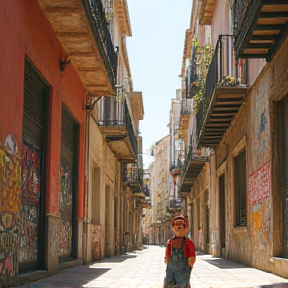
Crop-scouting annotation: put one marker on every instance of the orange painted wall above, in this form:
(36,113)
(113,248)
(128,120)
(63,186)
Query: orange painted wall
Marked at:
(24,30)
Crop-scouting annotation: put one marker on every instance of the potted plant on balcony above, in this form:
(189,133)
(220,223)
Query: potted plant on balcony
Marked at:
(228,81)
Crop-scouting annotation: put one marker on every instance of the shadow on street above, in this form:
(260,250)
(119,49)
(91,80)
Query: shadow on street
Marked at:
(224,264)
(91,271)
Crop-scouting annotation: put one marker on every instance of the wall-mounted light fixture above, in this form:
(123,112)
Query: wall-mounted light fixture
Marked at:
(64,63)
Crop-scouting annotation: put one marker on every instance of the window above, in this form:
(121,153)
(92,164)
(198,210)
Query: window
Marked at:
(240,189)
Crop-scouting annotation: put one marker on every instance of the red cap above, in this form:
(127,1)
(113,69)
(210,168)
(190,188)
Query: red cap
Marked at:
(179,217)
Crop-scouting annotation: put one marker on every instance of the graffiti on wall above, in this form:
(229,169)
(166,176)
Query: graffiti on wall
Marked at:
(10,191)
(65,237)
(259,184)
(260,124)
(65,202)
(258,194)
(29,203)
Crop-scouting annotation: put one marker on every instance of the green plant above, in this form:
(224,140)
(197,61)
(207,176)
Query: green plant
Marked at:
(197,99)
(201,61)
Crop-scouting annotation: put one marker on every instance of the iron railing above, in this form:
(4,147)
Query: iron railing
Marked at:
(130,129)
(176,165)
(146,190)
(133,175)
(243,16)
(186,106)
(118,117)
(176,203)
(193,154)
(192,77)
(96,17)
(197,155)
(224,71)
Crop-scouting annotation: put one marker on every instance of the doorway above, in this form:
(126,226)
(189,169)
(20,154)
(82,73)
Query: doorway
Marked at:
(68,187)
(32,219)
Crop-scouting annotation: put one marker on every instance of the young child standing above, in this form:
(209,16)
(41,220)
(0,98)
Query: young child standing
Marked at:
(179,255)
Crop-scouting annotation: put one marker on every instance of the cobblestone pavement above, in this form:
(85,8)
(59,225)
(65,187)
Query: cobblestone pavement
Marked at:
(146,269)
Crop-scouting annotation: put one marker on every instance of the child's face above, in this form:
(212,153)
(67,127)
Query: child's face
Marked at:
(180,228)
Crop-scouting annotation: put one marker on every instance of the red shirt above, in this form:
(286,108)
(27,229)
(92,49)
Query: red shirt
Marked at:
(189,249)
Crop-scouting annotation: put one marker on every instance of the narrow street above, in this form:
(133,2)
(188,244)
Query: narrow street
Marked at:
(146,269)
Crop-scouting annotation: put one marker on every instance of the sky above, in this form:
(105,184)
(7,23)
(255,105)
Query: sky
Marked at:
(155,53)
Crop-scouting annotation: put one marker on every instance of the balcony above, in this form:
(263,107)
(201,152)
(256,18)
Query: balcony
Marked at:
(261,28)
(146,183)
(133,178)
(82,29)
(175,168)
(115,124)
(226,89)
(175,204)
(194,163)
(144,203)
(186,110)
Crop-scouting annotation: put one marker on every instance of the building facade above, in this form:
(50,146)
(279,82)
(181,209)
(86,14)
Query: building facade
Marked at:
(159,171)
(237,79)
(68,125)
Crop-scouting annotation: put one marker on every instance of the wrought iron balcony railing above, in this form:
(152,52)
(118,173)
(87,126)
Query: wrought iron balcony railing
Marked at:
(186,106)
(225,72)
(191,75)
(193,154)
(133,177)
(194,162)
(144,203)
(115,114)
(146,190)
(240,8)
(176,165)
(146,183)
(260,27)
(96,16)
(175,204)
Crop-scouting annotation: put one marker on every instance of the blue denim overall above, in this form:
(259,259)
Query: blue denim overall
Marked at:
(177,271)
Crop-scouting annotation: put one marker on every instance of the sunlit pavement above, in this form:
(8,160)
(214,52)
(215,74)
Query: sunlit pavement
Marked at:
(146,269)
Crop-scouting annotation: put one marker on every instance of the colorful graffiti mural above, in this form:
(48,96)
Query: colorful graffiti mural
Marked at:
(30,203)
(10,191)
(258,194)
(259,184)
(65,224)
